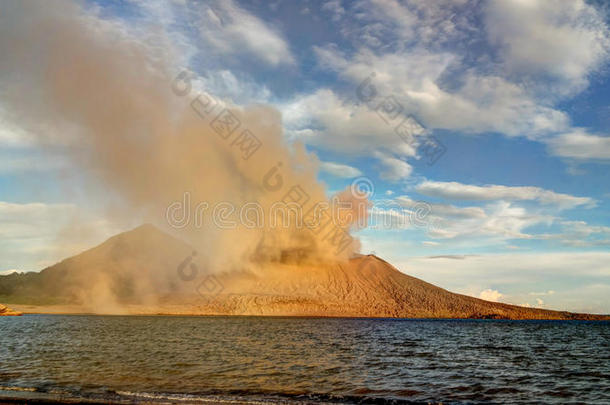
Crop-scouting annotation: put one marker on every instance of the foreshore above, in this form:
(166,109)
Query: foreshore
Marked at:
(179,310)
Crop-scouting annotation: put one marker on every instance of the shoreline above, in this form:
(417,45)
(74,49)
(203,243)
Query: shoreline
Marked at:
(33,396)
(56,399)
(77,310)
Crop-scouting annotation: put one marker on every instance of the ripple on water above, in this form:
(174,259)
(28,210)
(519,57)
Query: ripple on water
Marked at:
(206,359)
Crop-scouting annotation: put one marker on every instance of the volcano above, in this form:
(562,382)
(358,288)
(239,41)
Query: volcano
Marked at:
(147,271)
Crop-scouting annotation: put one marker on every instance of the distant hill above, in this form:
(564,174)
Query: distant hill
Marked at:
(127,267)
(136,272)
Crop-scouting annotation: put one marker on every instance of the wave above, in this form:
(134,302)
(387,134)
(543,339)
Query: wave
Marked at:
(21,389)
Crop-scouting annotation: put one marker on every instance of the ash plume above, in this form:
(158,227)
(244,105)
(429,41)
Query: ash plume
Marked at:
(108,97)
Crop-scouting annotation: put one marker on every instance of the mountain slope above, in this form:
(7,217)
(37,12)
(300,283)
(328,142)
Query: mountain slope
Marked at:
(127,267)
(137,272)
(366,286)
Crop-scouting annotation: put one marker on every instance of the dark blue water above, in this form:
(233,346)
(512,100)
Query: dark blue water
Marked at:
(239,359)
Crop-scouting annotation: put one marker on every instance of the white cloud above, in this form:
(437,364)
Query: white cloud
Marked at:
(13,136)
(500,221)
(491,295)
(31,220)
(496,221)
(578,279)
(433,23)
(467,192)
(493,223)
(324,120)
(580,234)
(335,8)
(340,170)
(421,54)
(477,103)
(579,144)
(394,169)
(564,39)
(446,210)
(549,292)
(502,214)
(240,90)
(29,162)
(232,30)
(37,234)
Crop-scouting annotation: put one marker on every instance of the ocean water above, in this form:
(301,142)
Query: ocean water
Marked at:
(260,360)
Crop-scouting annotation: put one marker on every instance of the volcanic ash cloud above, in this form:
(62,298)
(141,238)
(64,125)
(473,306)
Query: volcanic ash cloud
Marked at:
(110,100)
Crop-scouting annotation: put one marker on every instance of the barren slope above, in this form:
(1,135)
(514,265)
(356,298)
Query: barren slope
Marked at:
(366,286)
(136,272)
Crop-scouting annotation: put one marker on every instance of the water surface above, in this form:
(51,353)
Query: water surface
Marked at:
(258,359)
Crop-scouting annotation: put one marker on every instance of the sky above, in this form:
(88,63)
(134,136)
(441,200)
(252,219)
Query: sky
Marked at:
(504,193)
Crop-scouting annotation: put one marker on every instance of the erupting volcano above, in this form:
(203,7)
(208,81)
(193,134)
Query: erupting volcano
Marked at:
(146,271)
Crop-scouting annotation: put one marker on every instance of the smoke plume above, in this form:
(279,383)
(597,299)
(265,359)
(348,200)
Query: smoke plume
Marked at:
(138,128)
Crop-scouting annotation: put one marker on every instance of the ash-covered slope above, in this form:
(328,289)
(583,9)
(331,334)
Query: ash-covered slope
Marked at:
(133,266)
(136,272)
(366,286)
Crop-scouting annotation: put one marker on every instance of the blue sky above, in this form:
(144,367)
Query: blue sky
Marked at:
(516,91)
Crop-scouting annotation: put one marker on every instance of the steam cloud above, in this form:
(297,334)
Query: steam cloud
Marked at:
(73,78)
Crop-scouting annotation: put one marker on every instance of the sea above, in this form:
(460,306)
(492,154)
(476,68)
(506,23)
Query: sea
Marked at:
(262,360)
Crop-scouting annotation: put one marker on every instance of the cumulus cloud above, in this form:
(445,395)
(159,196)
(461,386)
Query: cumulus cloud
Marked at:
(11,136)
(340,170)
(335,8)
(30,161)
(529,55)
(468,192)
(501,216)
(492,223)
(549,292)
(325,120)
(566,40)
(491,295)
(431,23)
(231,30)
(514,274)
(35,235)
(393,169)
(579,144)
(478,102)
(580,234)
